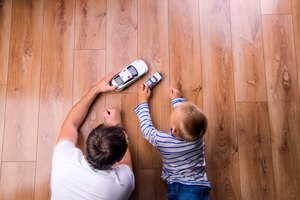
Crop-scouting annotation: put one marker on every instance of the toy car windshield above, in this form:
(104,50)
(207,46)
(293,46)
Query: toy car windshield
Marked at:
(119,80)
(132,70)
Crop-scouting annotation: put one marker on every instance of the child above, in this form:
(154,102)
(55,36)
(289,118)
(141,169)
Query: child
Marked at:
(182,149)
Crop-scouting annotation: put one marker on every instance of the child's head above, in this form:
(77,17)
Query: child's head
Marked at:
(105,146)
(188,122)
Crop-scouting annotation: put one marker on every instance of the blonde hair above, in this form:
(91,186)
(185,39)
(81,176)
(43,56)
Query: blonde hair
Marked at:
(190,122)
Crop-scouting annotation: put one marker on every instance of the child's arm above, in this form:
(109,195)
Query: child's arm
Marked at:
(148,130)
(176,97)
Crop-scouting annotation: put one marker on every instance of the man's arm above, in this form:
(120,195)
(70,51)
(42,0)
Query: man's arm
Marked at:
(112,117)
(76,116)
(126,160)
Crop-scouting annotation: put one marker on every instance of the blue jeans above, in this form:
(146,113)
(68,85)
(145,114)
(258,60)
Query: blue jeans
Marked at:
(178,191)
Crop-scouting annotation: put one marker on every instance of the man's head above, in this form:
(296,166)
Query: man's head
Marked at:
(105,146)
(188,122)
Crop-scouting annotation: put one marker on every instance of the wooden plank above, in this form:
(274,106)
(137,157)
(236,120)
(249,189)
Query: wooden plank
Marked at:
(153,188)
(255,152)
(121,40)
(275,6)
(153,48)
(126,103)
(20,134)
(249,73)
(17,180)
(2,113)
(56,85)
(184,45)
(89,68)
(283,102)
(90,24)
(5,24)
(218,101)
(296,24)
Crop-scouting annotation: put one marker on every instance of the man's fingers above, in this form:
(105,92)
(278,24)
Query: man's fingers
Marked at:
(113,87)
(111,74)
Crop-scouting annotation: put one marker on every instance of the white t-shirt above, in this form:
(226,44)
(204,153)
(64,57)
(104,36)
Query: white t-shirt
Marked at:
(73,178)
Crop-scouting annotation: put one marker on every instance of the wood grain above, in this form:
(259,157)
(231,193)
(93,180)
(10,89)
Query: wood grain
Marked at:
(255,152)
(158,192)
(296,24)
(275,6)
(56,85)
(218,101)
(89,68)
(17,180)
(20,134)
(283,102)
(184,45)
(2,113)
(90,24)
(5,24)
(247,48)
(239,60)
(121,38)
(153,46)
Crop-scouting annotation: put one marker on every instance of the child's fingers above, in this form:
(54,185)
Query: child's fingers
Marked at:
(142,87)
(148,89)
(171,91)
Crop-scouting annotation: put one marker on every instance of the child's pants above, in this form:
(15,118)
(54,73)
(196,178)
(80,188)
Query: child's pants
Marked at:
(178,191)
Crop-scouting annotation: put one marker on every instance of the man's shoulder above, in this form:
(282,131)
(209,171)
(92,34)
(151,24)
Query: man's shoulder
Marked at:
(66,150)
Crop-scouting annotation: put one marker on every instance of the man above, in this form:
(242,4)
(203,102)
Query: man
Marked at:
(106,170)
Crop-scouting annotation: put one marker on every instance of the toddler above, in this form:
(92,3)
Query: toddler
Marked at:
(182,149)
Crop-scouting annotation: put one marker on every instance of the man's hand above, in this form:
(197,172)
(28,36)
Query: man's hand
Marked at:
(112,117)
(174,93)
(103,84)
(144,93)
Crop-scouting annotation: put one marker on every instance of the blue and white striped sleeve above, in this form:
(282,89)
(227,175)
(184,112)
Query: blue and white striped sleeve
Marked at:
(148,130)
(177,101)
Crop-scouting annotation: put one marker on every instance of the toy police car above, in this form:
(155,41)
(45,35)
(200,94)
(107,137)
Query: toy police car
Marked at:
(129,74)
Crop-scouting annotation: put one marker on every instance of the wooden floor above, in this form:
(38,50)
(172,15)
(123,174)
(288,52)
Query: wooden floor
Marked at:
(238,60)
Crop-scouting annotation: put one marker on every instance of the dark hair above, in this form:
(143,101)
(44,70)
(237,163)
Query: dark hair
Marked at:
(191,123)
(105,146)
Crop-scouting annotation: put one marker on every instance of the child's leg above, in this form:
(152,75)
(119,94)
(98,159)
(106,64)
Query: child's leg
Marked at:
(178,191)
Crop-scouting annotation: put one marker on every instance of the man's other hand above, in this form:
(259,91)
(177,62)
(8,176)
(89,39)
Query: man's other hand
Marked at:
(112,117)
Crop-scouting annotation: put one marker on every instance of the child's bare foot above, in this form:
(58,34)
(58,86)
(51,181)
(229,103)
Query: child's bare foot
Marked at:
(174,93)
(112,117)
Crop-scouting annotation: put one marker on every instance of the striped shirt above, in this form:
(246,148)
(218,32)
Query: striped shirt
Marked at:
(183,162)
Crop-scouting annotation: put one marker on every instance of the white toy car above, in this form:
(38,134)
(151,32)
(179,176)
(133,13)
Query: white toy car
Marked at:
(129,74)
(153,80)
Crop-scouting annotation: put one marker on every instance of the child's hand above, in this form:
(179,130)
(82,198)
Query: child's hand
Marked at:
(174,93)
(144,93)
